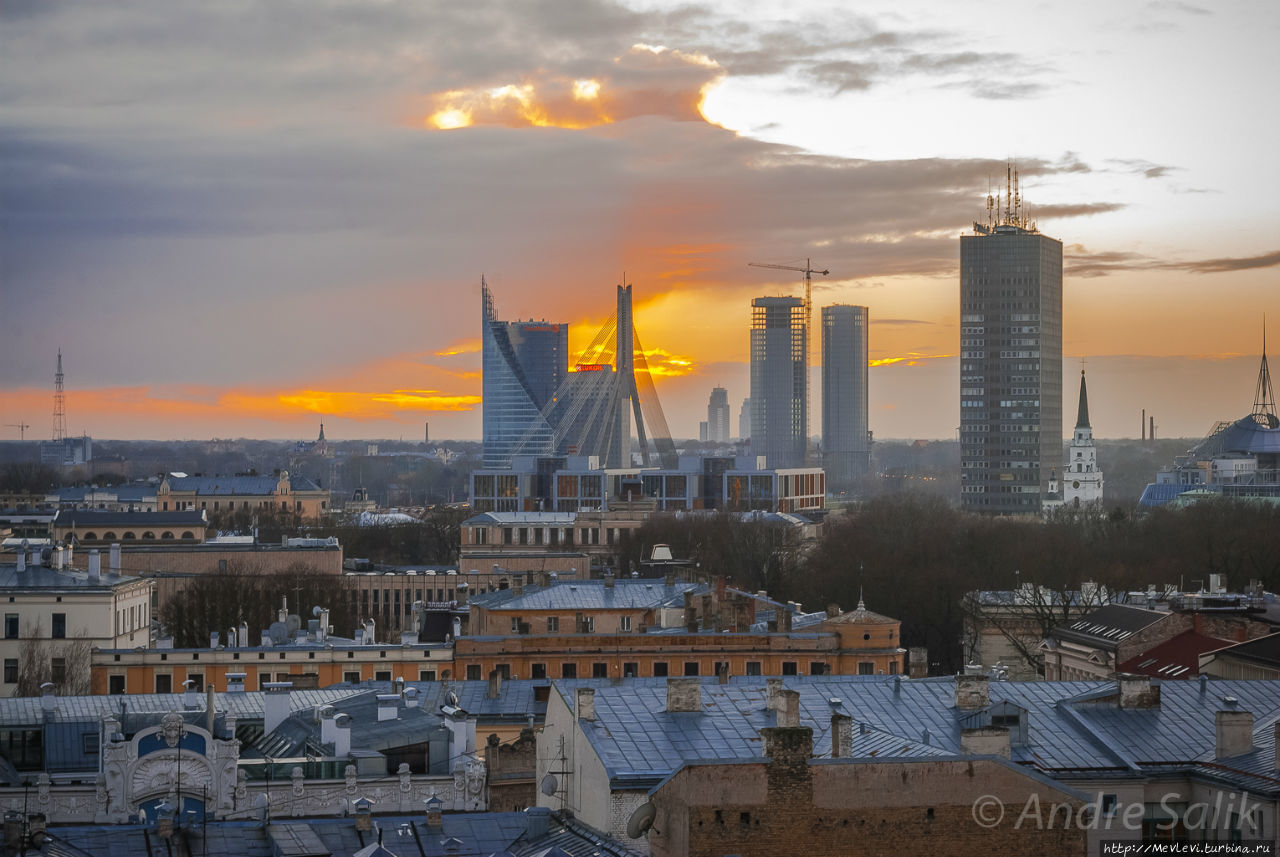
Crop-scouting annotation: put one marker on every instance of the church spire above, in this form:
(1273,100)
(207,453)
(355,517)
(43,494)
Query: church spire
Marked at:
(1264,398)
(1082,418)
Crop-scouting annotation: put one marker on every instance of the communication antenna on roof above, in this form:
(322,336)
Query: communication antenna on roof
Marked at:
(1264,397)
(59,404)
(991,204)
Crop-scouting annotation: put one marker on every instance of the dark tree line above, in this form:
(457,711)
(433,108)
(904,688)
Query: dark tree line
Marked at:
(219,601)
(914,557)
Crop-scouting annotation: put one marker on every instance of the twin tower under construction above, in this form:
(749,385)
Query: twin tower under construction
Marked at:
(536,404)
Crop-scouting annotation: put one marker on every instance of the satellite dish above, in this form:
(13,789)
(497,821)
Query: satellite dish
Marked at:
(278,633)
(292,624)
(550,785)
(641,820)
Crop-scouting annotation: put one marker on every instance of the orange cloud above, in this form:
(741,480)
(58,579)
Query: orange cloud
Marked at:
(645,81)
(465,346)
(909,360)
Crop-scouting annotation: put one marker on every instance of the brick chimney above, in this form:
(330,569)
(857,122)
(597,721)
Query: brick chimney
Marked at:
(585,703)
(435,814)
(841,736)
(1137,691)
(972,692)
(788,744)
(684,694)
(1234,732)
(772,690)
(495,684)
(364,814)
(985,741)
(789,708)
(918,662)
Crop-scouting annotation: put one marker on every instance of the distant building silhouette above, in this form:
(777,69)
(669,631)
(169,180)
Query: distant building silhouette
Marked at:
(718,416)
(1010,361)
(744,420)
(845,448)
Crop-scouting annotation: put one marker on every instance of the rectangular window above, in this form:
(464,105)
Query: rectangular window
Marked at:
(115,685)
(588,624)
(197,681)
(164,684)
(788,667)
(59,626)
(89,743)
(599,670)
(817,668)
(59,671)
(659,669)
(624,623)
(568,671)
(753,668)
(11,626)
(515,624)
(351,677)
(10,670)
(553,624)
(382,675)
(426,675)
(537,670)
(690,667)
(866,668)
(630,670)
(473,672)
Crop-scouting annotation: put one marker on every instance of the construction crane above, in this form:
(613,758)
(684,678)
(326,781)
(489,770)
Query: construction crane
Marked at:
(21,427)
(808,270)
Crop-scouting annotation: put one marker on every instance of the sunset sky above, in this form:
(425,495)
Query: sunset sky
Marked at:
(245,218)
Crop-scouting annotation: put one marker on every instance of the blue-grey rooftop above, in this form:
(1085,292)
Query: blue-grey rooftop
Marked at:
(1073,728)
(639,594)
(39,577)
(108,518)
(233,485)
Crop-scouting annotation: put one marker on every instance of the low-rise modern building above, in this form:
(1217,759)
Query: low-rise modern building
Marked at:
(103,527)
(579,483)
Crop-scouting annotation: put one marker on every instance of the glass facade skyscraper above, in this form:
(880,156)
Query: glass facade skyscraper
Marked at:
(1010,366)
(718,416)
(845,444)
(779,397)
(524,363)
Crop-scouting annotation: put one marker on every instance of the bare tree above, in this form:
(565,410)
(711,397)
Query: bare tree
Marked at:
(64,663)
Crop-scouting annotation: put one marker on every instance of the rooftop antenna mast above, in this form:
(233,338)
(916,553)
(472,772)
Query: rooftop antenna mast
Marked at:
(991,204)
(1264,397)
(59,404)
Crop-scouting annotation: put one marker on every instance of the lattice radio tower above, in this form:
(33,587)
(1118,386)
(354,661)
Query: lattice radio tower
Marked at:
(59,404)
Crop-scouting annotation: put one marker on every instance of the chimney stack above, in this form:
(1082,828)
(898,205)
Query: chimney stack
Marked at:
(328,729)
(275,704)
(585,703)
(972,692)
(190,698)
(114,559)
(772,691)
(364,814)
(95,566)
(22,556)
(388,706)
(341,735)
(841,736)
(537,822)
(788,745)
(722,673)
(608,580)
(985,741)
(789,709)
(462,595)
(410,697)
(684,694)
(1234,730)
(48,697)
(495,684)
(435,814)
(1137,691)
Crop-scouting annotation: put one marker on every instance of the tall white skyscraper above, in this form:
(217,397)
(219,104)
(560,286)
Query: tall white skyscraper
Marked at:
(718,416)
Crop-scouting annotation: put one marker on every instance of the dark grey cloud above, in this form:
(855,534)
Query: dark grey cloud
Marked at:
(1082,263)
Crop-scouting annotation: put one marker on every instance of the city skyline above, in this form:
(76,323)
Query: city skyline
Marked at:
(245,222)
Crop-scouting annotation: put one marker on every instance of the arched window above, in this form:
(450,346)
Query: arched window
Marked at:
(130,535)
(188,536)
(166,535)
(149,535)
(108,536)
(90,537)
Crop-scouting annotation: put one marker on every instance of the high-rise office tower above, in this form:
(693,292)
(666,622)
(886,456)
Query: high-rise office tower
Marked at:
(744,420)
(845,448)
(524,364)
(779,364)
(718,416)
(1010,360)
